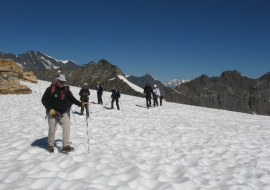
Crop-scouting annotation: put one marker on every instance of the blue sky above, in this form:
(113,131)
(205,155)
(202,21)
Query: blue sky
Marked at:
(167,39)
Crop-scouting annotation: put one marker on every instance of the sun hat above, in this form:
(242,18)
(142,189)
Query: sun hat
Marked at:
(61,78)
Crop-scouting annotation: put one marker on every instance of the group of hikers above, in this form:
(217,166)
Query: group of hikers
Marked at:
(153,93)
(58,99)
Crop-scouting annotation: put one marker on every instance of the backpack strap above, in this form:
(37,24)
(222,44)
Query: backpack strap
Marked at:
(66,89)
(62,93)
(53,88)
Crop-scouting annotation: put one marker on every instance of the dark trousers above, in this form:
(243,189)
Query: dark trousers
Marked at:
(161,98)
(99,96)
(155,100)
(87,111)
(116,100)
(148,101)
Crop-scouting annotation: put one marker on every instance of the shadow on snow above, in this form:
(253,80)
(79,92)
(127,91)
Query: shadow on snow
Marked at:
(43,143)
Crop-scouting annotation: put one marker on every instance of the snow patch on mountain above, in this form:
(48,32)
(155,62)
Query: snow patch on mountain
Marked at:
(135,87)
(177,82)
(64,62)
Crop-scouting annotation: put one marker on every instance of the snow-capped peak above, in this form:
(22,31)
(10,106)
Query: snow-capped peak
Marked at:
(175,82)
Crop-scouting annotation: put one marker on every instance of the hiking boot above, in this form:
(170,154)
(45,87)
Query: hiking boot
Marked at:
(67,148)
(50,149)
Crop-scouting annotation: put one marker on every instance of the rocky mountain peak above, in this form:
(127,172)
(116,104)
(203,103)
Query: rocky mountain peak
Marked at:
(39,60)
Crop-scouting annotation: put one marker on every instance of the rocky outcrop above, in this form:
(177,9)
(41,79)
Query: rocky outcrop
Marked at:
(29,77)
(9,67)
(12,86)
(10,73)
(231,91)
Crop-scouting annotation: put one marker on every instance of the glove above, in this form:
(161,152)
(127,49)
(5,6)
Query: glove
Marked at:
(52,112)
(85,104)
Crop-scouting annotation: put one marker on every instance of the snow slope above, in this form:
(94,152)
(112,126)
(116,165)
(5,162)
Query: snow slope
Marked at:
(170,147)
(133,86)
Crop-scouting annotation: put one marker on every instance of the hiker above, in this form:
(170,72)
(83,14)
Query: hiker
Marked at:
(162,93)
(84,93)
(54,100)
(156,94)
(147,92)
(99,88)
(115,95)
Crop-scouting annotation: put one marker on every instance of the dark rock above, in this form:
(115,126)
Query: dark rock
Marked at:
(141,81)
(231,91)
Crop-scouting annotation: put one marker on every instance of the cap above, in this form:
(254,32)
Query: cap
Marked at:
(155,85)
(61,78)
(85,84)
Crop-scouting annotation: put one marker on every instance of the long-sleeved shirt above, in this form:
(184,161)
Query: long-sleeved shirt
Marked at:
(156,92)
(148,91)
(58,100)
(84,98)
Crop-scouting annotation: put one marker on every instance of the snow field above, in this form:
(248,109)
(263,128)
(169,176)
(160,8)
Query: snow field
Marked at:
(170,147)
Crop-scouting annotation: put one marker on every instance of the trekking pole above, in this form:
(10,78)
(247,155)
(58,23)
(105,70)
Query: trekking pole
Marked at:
(87,128)
(73,115)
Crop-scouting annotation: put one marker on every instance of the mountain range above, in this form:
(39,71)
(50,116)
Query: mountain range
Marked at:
(231,91)
(38,60)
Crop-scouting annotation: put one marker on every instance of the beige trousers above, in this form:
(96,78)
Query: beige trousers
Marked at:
(64,122)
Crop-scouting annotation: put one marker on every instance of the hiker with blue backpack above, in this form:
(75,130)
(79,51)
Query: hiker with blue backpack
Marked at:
(115,96)
(55,100)
(162,93)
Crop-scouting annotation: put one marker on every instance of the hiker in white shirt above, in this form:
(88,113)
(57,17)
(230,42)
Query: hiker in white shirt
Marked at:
(156,95)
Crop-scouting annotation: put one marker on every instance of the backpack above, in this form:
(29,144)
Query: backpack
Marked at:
(148,90)
(118,93)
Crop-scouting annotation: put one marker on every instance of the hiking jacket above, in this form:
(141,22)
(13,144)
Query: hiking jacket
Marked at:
(156,92)
(58,100)
(115,94)
(148,91)
(99,88)
(84,98)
